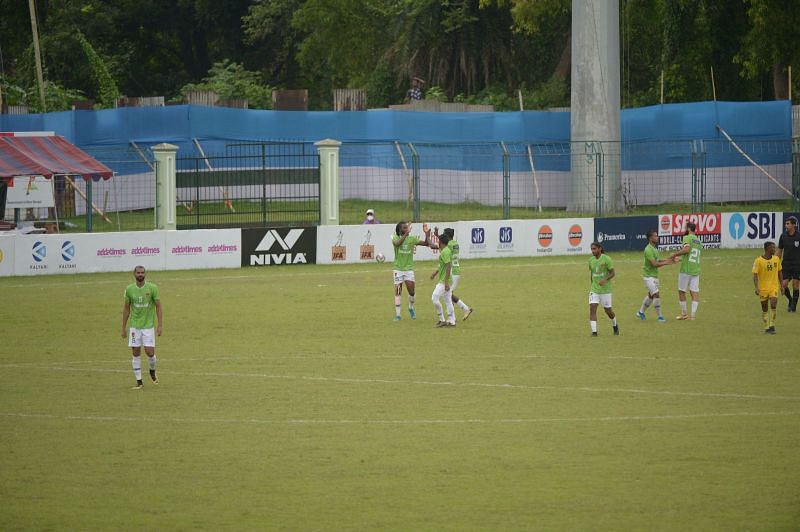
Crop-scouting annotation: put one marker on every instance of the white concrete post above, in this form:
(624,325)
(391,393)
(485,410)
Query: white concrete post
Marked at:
(166,194)
(595,104)
(328,181)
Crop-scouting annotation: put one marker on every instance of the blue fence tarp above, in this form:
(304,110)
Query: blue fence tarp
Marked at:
(655,137)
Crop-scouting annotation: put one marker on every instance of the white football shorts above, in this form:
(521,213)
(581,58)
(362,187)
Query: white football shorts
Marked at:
(142,337)
(454,282)
(439,292)
(652,284)
(688,282)
(600,299)
(400,277)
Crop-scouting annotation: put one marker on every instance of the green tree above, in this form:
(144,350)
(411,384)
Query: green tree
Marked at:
(771,44)
(232,81)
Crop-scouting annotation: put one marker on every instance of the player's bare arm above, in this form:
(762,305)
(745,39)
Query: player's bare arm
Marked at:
(159,316)
(611,273)
(755,283)
(126,312)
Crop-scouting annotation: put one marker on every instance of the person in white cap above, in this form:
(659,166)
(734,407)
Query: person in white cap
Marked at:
(370,217)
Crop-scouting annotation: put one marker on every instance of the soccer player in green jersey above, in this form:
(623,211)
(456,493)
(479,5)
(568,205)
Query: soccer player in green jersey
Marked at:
(142,305)
(689,276)
(404,243)
(456,270)
(650,275)
(443,287)
(602,271)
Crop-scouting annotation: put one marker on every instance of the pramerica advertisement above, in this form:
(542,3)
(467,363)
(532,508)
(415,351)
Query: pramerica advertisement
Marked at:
(672,228)
(624,233)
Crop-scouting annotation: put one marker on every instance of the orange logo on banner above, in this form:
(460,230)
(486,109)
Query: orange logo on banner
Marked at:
(575,235)
(338,253)
(666,223)
(545,236)
(367,251)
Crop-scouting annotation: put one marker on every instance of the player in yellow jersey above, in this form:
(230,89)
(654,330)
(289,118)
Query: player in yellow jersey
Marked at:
(767,278)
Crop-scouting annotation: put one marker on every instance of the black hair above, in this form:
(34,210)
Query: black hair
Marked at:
(449,231)
(768,244)
(651,232)
(598,245)
(691,226)
(444,238)
(792,219)
(397,228)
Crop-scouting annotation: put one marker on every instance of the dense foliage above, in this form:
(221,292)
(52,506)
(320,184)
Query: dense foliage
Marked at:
(478,51)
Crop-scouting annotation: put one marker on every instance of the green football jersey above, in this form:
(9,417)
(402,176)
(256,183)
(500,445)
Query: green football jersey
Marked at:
(143,305)
(445,258)
(650,253)
(454,249)
(690,264)
(404,253)
(600,268)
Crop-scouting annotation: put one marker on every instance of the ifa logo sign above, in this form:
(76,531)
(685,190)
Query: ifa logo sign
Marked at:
(272,247)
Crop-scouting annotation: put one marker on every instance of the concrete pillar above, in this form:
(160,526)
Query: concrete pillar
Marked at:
(595,105)
(328,181)
(166,194)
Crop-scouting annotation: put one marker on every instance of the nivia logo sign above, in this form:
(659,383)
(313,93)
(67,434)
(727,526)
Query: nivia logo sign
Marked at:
(282,245)
(268,247)
(285,243)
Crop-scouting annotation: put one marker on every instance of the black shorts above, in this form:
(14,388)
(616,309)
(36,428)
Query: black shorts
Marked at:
(791,271)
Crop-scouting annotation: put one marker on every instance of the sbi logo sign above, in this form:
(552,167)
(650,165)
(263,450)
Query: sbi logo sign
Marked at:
(755,226)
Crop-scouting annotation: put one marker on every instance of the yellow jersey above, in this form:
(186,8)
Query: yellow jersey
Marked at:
(767,272)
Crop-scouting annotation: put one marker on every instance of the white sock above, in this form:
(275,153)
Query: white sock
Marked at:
(152,361)
(137,367)
(683,307)
(645,304)
(694,307)
(657,305)
(462,305)
(614,321)
(411,301)
(398,301)
(594,325)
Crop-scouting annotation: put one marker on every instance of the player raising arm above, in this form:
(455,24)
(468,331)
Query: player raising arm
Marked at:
(404,243)
(767,277)
(442,288)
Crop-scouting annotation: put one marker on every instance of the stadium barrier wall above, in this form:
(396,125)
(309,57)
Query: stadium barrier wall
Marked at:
(24,255)
(116,252)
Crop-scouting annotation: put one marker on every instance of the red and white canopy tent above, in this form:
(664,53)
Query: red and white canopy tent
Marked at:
(47,154)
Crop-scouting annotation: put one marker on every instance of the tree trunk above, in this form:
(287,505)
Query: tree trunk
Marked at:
(780,81)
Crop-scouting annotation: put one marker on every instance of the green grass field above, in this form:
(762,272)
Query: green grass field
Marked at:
(290,400)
